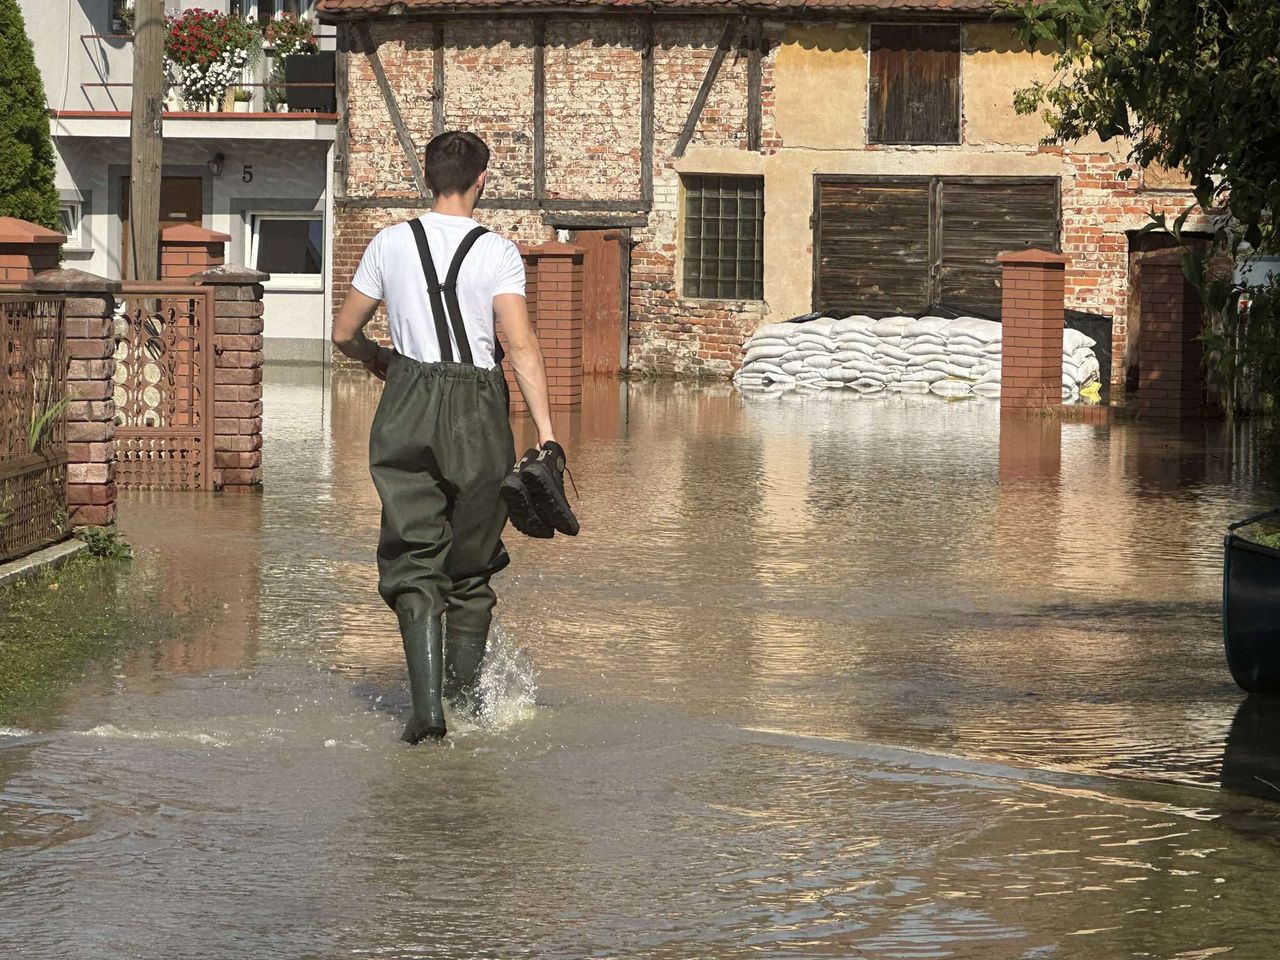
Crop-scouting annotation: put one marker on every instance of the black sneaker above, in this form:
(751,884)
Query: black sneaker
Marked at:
(544,478)
(519,503)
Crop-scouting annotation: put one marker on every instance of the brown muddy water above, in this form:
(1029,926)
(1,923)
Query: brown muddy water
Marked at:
(821,678)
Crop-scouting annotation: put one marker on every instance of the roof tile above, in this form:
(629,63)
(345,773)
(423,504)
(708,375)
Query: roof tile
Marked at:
(347,9)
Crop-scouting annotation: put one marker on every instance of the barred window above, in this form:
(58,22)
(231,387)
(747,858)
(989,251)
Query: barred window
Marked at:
(724,237)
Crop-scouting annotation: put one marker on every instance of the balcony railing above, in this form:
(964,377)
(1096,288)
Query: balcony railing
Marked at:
(308,90)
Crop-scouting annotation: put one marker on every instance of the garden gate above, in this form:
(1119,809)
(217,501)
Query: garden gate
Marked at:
(164,387)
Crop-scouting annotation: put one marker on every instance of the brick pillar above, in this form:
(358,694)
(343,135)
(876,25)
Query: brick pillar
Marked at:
(27,249)
(91,455)
(1032,283)
(1170,380)
(237,383)
(186,249)
(557,282)
(553,290)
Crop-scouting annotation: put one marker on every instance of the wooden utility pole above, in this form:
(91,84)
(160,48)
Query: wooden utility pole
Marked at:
(145,139)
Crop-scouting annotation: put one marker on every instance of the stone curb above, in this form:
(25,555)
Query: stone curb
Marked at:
(25,567)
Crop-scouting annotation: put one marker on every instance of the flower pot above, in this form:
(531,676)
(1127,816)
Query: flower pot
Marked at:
(244,106)
(228,102)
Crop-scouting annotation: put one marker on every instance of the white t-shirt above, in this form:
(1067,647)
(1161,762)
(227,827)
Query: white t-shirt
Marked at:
(391,271)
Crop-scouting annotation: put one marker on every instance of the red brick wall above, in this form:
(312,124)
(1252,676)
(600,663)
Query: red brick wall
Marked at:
(1099,210)
(91,455)
(669,333)
(21,262)
(592,150)
(1031,355)
(1171,382)
(593,134)
(27,249)
(237,391)
(188,249)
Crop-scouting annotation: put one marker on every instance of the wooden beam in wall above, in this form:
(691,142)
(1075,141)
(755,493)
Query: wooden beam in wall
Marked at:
(342,149)
(539,109)
(393,108)
(437,79)
(603,219)
(755,76)
(501,203)
(646,116)
(700,101)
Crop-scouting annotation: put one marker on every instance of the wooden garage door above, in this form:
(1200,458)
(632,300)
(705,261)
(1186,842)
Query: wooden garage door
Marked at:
(871,245)
(905,245)
(982,219)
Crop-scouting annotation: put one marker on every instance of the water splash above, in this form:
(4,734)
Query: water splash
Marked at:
(14,732)
(508,685)
(110,731)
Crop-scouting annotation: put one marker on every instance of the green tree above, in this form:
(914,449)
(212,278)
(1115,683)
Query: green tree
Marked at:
(1190,84)
(26,151)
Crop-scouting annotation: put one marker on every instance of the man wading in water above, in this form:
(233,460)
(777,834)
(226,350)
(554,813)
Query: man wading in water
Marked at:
(441,443)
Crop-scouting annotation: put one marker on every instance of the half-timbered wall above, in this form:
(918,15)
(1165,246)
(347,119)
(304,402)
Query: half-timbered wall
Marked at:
(564,104)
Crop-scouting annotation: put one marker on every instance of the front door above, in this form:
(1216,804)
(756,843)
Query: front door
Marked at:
(604,255)
(181,201)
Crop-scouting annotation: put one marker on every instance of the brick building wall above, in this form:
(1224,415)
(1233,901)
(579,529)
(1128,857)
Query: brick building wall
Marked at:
(593,153)
(592,148)
(1099,210)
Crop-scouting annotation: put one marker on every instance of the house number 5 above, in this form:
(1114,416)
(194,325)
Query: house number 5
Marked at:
(247,176)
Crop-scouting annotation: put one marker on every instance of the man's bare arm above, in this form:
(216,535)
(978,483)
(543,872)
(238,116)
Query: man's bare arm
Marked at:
(512,312)
(349,336)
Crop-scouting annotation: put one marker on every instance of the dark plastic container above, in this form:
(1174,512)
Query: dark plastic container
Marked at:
(311,68)
(1251,609)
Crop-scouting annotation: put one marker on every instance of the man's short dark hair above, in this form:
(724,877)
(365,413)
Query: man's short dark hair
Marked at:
(454,161)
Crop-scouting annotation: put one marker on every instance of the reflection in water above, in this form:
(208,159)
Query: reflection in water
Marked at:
(819,678)
(1251,762)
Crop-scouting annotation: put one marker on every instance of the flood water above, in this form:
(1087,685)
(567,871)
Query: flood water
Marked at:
(821,677)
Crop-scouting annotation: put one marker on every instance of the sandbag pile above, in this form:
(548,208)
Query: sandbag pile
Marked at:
(930,355)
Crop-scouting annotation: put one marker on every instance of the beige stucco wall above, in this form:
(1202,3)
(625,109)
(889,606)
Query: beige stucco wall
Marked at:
(994,65)
(821,76)
(788,177)
(821,98)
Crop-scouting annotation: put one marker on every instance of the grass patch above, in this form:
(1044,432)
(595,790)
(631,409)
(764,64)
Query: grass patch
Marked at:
(1268,538)
(53,625)
(105,543)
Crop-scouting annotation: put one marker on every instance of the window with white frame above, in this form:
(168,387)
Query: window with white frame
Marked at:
(268,9)
(69,213)
(289,246)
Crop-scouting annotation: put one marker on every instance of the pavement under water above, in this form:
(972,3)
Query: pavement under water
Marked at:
(820,678)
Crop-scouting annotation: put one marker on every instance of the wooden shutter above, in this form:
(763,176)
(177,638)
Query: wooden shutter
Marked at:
(982,219)
(871,246)
(914,91)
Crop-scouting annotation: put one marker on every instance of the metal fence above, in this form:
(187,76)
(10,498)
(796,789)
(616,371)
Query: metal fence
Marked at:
(33,409)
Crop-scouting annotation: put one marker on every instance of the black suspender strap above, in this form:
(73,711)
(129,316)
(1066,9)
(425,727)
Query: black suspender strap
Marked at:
(451,293)
(433,288)
(446,294)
